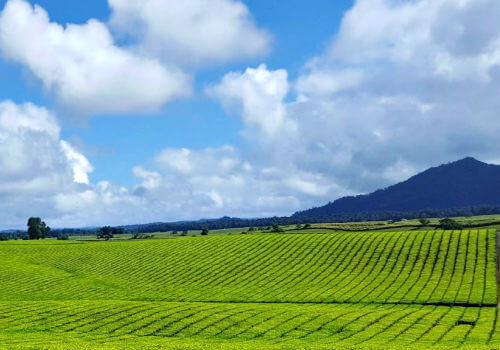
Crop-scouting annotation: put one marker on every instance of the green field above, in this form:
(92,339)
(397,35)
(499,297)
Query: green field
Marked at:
(491,222)
(333,290)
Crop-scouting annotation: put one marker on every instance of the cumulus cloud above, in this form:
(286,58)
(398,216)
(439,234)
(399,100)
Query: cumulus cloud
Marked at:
(190,32)
(447,39)
(257,95)
(326,81)
(31,150)
(404,85)
(34,161)
(216,181)
(209,161)
(88,73)
(44,175)
(80,164)
(80,64)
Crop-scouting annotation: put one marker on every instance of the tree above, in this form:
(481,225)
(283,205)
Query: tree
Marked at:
(204,231)
(424,221)
(277,228)
(62,237)
(184,233)
(37,228)
(307,226)
(117,231)
(108,232)
(298,227)
(138,235)
(45,230)
(105,232)
(449,224)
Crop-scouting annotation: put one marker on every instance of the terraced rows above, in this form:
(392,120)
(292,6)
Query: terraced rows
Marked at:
(435,267)
(341,324)
(343,290)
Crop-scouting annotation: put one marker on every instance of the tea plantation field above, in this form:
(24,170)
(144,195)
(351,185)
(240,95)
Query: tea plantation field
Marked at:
(253,291)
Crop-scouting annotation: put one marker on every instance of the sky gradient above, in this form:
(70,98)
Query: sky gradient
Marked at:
(120,112)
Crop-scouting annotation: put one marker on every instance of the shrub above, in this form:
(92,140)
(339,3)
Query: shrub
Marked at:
(449,224)
(137,235)
(105,232)
(424,221)
(277,228)
(37,228)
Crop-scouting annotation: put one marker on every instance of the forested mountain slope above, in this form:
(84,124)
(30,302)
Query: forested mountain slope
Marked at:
(464,183)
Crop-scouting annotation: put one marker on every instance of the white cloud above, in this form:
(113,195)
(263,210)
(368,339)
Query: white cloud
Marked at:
(34,162)
(448,39)
(30,149)
(404,85)
(43,175)
(324,82)
(150,179)
(190,31)
(81,166)
(176,159)
(302,185)
(80,64)
(257,94)
(396,91)
(209,161)
(213,182)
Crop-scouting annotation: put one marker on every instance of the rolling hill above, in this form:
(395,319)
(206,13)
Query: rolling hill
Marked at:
(465,187)
(365,290)
(463,183)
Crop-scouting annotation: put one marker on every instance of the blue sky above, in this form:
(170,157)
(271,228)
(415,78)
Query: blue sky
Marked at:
(114,144)
(134,111)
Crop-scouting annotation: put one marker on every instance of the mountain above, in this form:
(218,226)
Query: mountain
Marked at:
(464,183)
(462,188)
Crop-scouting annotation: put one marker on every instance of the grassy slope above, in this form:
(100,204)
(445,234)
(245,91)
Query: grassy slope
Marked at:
(247,324)
(473,222)
(395,267)
(229,291)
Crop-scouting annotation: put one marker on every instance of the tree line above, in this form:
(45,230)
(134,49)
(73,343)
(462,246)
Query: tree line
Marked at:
(40,230)
(228,222)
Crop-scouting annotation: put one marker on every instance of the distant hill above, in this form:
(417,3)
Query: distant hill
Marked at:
(463,188)
(464,183)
